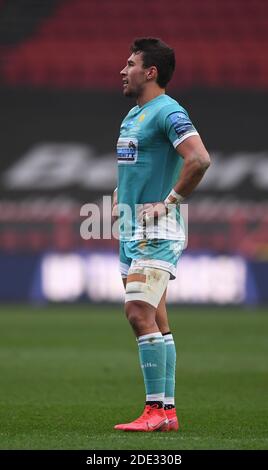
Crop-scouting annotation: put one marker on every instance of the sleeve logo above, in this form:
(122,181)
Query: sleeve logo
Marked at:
(181,124)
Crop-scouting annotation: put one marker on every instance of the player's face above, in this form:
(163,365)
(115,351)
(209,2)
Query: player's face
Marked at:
(134,76)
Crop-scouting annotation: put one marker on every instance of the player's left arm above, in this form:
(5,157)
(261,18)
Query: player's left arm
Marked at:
(196,163)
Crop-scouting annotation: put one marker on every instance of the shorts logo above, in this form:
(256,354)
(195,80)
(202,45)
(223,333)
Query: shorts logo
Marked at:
(176,247)
(127,150)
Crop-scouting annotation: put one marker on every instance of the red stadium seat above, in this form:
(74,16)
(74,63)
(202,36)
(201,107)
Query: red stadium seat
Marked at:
(84,44)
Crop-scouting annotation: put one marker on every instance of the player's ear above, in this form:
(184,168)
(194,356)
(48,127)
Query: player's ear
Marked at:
(152,73)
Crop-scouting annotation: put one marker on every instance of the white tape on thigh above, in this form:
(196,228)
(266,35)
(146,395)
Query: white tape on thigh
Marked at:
(146,284)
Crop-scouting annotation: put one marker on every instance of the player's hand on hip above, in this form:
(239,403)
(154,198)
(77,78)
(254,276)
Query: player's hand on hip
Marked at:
(151,211)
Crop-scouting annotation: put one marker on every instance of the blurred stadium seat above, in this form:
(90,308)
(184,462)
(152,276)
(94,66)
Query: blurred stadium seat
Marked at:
(82,43)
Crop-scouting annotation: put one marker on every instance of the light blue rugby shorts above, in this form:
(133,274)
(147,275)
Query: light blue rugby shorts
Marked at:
(150,253)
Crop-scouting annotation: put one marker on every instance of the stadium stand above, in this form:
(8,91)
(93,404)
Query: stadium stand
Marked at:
(20,18)
(82,43)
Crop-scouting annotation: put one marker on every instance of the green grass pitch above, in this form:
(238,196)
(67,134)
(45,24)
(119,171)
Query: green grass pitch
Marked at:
(69,373)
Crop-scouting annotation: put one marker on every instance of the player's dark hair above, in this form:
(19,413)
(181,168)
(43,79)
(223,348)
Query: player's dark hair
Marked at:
(156,52)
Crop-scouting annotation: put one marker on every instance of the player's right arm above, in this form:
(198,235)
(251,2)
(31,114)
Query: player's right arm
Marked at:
(114,204)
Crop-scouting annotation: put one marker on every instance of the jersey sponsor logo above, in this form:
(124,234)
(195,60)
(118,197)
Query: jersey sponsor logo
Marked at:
(181,124)
(127,150)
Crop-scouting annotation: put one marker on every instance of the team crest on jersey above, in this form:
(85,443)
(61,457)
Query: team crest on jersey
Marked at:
(127,150)
(142,117)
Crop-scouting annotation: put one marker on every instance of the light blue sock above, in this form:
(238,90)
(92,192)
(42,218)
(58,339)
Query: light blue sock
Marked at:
(170,369)
(152,353)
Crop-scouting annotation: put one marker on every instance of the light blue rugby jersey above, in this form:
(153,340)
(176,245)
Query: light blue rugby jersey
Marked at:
(148,163)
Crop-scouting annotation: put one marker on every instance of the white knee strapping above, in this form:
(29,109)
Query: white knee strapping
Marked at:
(146,284)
